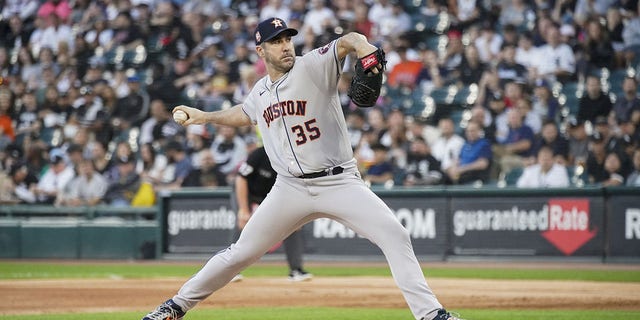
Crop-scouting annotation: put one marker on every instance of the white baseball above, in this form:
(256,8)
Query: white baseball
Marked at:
(180,116)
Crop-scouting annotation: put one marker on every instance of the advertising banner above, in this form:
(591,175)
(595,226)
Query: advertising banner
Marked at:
(203,225)
(529,226)
(424,218)
(198,225)
(624,226)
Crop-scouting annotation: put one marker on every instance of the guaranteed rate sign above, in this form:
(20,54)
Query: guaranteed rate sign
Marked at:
(528,226)
(424,219)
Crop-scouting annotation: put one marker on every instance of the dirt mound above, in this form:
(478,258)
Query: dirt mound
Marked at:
(77,296)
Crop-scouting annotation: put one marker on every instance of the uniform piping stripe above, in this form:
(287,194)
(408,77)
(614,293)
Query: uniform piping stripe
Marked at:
(286,126)
(335,56)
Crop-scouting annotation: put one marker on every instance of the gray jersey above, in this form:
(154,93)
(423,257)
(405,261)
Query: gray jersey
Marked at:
(300,115)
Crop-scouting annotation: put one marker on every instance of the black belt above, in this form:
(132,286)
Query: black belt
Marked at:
(329,172)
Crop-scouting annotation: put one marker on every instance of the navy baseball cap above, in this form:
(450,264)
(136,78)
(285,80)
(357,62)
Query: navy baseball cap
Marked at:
(270,28)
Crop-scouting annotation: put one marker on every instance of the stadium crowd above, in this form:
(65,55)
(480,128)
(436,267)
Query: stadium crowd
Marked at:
(532,93)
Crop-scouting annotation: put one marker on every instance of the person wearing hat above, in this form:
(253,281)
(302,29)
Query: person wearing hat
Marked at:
(578,142)
(627,106)
(55,179)
(297,108)
(596,158)
(124,182)
(132,109)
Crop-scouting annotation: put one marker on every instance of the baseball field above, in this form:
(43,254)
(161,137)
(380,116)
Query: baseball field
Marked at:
(73,290)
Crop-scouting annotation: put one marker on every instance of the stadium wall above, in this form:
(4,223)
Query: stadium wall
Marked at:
(447,222)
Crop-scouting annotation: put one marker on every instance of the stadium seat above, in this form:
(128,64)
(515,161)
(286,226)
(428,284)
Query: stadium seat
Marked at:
(511,177)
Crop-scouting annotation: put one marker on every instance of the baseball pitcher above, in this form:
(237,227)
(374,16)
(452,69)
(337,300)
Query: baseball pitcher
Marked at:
(297,109)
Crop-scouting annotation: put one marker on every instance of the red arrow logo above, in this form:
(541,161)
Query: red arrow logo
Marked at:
(569,241)
(569,224)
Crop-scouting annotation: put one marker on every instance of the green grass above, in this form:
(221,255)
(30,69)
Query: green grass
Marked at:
(35,270)
(349,314)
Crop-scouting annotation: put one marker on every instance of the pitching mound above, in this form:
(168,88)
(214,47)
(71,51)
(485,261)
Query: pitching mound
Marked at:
(78,296)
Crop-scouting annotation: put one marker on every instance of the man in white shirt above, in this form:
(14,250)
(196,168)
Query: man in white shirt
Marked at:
(545,173)
(447,148)
(556,60)
(55,179)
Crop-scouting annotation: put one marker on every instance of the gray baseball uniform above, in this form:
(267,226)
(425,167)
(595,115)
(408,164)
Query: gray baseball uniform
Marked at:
(304,132)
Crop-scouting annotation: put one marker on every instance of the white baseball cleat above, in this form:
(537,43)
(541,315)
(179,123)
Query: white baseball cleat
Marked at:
(299,275)
(444,315)
(168,310)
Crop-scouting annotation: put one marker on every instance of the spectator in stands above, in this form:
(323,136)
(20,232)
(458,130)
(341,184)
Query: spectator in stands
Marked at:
(596,158)
(627,106)
(546,173)
(361,22)
(160,127)
(633,180)
(28,123)
(454,52)
(398,22)
(58,8)
(613,171)
(55,34)
(123,184)
(598,50)
(612,142)
(98,153)
(378,11)
(152,165)
(86,189)
(16,33)
(24,10)
(531,118)
(631,36)
(170,34)
(588,8)
(526,52)
(75,154)
(517,13)
(594,103)
(614,27)
(404,73)
(55,178)
(180,162)
(24,182)
(431,75)
(319,18)
(550,137)
(465,12)
(275,8)
(508,69)
(578,142)
(7,130)
(544,103)
(447,148)
(133,108)
(229,150)
(515,150)
(422,168)
(556,61)
(471,68)
(381,170)
(488,43)
(474,161)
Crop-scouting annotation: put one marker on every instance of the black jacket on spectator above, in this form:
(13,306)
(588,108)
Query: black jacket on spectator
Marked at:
(590,109)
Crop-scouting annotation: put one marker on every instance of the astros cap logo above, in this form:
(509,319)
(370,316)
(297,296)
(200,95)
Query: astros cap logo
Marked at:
(277,23)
